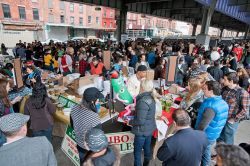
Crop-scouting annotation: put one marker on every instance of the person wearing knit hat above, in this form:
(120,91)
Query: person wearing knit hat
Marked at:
(21,150)
(134,82)
(96,140)
(101,154)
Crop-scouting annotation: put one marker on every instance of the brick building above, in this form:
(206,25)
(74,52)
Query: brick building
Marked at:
(19,20)
(30,20)
(108,21)
(140,25)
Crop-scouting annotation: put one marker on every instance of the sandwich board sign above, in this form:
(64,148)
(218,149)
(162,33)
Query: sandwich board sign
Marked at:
(122,140)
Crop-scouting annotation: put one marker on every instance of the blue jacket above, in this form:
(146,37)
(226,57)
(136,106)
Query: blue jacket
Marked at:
(220,107)
(151,58)
(133,61)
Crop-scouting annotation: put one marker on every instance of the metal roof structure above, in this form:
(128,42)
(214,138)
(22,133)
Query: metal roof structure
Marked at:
(228,14)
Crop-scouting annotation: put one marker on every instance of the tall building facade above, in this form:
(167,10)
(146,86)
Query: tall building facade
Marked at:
(30,20)
(20,20)
(140,25)
(108,22)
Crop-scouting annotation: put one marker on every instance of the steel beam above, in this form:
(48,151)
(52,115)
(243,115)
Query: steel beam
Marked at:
(238,3)
(143,1)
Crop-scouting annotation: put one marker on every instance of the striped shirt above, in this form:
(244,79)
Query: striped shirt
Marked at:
(83,120)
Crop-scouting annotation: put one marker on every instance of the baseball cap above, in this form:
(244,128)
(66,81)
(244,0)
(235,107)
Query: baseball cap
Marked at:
(96,140)
(92,94)
(13,122)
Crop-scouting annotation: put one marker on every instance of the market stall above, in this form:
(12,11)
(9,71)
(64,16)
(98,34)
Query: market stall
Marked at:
(63,93)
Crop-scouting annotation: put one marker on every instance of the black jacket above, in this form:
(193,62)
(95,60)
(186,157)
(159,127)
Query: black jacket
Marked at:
(243,82)
(185,148)
(233,64)
(144,120)
(215,72)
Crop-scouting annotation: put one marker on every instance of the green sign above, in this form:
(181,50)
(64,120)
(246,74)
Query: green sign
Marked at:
(66,102)
(69,146)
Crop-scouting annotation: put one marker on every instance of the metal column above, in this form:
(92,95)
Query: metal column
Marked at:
(203,38)
(121,23)
(221,32)
(194,29)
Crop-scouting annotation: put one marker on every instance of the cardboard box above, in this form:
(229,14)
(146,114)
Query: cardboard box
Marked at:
(18,79)
(63,81)
(82,81)
(150,75)
(45,75)
(106,59)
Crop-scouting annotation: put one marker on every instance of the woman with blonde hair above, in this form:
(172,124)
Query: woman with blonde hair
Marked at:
(144,123)
(193,98)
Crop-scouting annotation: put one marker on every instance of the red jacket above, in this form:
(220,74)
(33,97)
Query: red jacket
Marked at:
(96,70)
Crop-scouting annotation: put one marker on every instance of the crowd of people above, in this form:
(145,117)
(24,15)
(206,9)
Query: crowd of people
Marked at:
(215,102)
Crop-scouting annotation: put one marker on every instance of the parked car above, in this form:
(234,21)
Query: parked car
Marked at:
(95,38)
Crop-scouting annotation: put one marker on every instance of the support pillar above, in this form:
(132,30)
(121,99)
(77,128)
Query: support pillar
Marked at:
(203,38)
(246,32)
(121,23)
(237,34)
(194,29)
(221,32)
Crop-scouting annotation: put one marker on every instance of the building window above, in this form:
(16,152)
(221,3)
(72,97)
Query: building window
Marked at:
(72,20)
(35,14)
(97,20)
(111,14)
(80,8)
(62,5)
(50,4)
(110,25)
(104,14)
(89,19)
(6,11)
(71,7)
(104,24)
(22,14)
(51,18)
(62,19)
(80,21)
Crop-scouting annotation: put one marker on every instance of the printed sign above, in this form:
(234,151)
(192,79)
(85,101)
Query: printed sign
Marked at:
(69,146)
(123,141)
(66,102)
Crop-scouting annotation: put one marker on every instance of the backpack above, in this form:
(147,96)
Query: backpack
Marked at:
(239,100)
